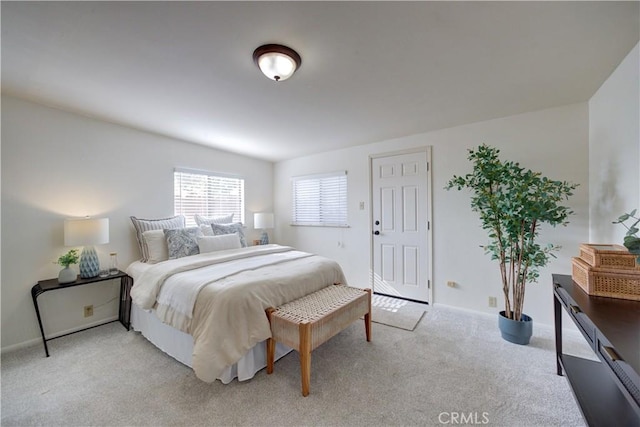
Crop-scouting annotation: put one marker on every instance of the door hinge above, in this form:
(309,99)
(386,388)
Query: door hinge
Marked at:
(427,166)
(428,225)
(428,284)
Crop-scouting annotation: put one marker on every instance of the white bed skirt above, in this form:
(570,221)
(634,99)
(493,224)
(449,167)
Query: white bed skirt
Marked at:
(179,345)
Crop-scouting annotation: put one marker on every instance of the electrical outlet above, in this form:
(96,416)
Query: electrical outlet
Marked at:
(451,284)
(361,206)
(88,310)
(493,302)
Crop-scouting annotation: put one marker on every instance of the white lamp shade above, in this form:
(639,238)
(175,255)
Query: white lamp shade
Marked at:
(86,231)
(263,220)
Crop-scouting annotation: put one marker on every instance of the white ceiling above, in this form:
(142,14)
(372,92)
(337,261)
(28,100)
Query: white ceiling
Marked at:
(370,70)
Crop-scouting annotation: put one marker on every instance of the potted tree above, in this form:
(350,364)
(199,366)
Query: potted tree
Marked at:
(513,203)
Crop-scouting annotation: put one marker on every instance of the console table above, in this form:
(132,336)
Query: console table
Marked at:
(607,391)
(124,308)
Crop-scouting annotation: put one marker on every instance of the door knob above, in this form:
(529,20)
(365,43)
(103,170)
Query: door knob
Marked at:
(376,232)
(377,222)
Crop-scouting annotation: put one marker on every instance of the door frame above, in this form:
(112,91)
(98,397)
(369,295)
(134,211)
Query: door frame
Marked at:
(428,207)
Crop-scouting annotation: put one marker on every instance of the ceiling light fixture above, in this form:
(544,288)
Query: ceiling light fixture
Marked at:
(277,62)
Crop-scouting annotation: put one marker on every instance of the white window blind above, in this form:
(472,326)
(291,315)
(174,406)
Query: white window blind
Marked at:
(320,200)
(207,194)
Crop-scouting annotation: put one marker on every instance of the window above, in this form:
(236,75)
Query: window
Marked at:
(208,194)
(320,200)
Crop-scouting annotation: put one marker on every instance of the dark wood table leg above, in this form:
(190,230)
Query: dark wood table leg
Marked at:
(124,311)
(557,315)
(35,291)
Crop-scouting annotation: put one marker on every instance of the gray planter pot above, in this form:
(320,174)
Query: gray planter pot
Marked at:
(517,332)
(67,275)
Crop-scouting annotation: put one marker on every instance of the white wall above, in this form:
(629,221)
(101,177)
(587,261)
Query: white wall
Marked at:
(614,147)
(553,141)
(57,165)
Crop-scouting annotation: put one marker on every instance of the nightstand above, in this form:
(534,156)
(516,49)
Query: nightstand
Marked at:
(124,310)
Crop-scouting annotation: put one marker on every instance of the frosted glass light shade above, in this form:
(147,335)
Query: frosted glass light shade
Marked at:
(276,66)
(263,220)
(277,62)
(86,231)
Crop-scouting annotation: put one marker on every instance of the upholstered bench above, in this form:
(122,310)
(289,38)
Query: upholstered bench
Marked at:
(307,322)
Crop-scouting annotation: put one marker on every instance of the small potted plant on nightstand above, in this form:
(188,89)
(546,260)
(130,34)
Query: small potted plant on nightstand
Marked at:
(67,274)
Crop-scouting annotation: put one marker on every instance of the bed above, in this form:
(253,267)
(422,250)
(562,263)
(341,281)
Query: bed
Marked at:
(207,310)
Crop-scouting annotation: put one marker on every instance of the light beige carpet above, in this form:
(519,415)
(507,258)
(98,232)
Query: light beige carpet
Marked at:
(396,312)
(455,363)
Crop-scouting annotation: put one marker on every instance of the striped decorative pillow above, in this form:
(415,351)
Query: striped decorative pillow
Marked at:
(142,225)
(203,220)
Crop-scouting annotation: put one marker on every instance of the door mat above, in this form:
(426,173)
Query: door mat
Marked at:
(396,312)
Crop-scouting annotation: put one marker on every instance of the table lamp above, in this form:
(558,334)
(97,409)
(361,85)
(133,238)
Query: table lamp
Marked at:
(263,221)
(87,232)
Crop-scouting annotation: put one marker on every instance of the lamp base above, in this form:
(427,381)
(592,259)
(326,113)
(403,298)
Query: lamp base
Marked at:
(264,238)
(89,262)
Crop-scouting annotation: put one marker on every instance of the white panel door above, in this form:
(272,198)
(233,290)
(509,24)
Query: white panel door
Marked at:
(399,213)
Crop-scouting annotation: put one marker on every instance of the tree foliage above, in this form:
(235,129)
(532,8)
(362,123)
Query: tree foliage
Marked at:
(512,203)
(631,239)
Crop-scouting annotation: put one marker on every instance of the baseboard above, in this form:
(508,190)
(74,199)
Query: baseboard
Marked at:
(38,340)
(467,310)
(567,327)
(402,298)
(24,344)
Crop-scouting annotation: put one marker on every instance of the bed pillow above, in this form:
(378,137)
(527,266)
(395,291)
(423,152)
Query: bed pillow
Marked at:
(206,229)
(203,220)
(142,225)
(156,246)
(236,227)
(218,243)
(182,242)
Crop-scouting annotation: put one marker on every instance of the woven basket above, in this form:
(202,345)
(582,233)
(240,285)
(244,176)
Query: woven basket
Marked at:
(606,282)
(608,256)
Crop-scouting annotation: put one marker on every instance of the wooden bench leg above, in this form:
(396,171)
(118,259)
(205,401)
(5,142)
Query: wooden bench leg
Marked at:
(271,345)
(305,357)
(367,317)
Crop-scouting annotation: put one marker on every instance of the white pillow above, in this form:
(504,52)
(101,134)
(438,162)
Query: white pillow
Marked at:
(203,220)
(206,230)
(218,243)
(156,246)
(234,228)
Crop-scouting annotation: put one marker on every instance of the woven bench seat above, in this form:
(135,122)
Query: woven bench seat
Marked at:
(307,322)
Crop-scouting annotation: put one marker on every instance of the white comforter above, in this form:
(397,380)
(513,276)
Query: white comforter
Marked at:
(220,298)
